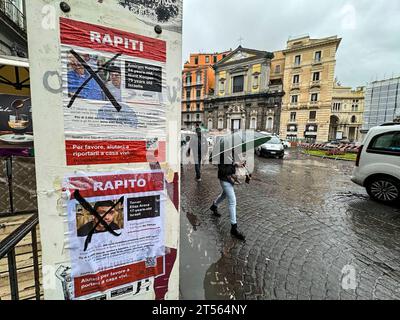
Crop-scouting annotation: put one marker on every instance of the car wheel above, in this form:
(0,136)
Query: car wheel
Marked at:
(281,157)
(258,152)
(384,189)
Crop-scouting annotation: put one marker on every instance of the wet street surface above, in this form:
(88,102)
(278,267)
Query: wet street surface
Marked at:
(311,234)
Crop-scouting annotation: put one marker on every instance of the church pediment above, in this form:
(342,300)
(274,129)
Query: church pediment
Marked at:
(240,55)
(244,54)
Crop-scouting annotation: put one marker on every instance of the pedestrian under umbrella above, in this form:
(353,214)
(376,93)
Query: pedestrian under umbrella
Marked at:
(227,153)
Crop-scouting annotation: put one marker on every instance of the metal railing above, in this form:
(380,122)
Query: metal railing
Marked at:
(13,13)
(8,248)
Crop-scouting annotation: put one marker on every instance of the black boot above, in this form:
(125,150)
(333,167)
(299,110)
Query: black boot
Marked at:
(214,209)
(236,233)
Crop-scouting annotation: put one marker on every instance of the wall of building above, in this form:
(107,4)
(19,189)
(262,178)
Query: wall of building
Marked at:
(306,48)
(193,105)
(13,39)
(382,102)
(348,108)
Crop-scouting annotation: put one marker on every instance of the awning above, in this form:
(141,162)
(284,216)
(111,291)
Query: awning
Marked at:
(14,61)
(14,75)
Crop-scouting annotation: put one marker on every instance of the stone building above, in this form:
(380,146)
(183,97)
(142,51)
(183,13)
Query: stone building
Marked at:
(309,73)
(244,97)
(13,39)
(198,78)
(347,114)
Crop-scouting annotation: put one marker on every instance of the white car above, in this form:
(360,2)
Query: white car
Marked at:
(378,164)
(286,144)
(273,148)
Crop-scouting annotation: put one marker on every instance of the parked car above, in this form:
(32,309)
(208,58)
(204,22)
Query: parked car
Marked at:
(332,144)
(378,164)
(286,144)
(273,148)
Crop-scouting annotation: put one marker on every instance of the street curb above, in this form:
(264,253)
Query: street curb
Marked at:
(325,157)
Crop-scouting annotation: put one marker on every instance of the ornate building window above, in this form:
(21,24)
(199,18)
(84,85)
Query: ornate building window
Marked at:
(270,124)
(278,69)
(222,86)
(353,119)
(313,116)
(318,56)
(253,123)
(354,106)
(314,97)
(336,107)
(238,84)
(316,76)
(220,123)
(256,79)
(210,124)
(293,117)
(297,60)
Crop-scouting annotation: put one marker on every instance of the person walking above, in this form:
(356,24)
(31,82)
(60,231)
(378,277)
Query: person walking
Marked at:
(228,179)
(199,148)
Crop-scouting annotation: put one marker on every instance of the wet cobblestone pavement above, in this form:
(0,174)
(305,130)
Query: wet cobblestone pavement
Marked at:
(311,234)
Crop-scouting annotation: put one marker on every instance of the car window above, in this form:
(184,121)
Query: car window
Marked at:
(386,143)
(274,141)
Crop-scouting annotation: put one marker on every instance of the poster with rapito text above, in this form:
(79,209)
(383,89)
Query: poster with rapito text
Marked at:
(116,230)
(114,88)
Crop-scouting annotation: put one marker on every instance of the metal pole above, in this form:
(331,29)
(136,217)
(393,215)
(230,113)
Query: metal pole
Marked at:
(12,268)
(9,178)
(35,263)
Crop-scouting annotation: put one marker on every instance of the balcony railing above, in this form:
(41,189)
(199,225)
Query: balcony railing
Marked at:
(315,83)
(13,13)
(295,85)
(314,104)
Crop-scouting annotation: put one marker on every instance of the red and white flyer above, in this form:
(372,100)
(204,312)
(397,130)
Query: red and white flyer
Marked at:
(116,232)
(114,85)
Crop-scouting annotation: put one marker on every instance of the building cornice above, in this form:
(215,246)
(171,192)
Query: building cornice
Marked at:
(245,97)
(238,63)
(313,45)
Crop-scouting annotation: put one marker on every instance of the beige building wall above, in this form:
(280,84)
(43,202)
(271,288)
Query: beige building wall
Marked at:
(347,113)
(304,125)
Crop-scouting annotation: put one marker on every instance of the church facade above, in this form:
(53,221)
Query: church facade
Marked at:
(245,96)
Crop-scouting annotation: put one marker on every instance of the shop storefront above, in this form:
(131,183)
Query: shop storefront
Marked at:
(311,133)
(17,174)
(292,132)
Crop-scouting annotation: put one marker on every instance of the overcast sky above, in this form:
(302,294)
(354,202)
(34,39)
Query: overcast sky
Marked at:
(370,29)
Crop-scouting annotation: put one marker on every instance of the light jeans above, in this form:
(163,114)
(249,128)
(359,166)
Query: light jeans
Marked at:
(228,192)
